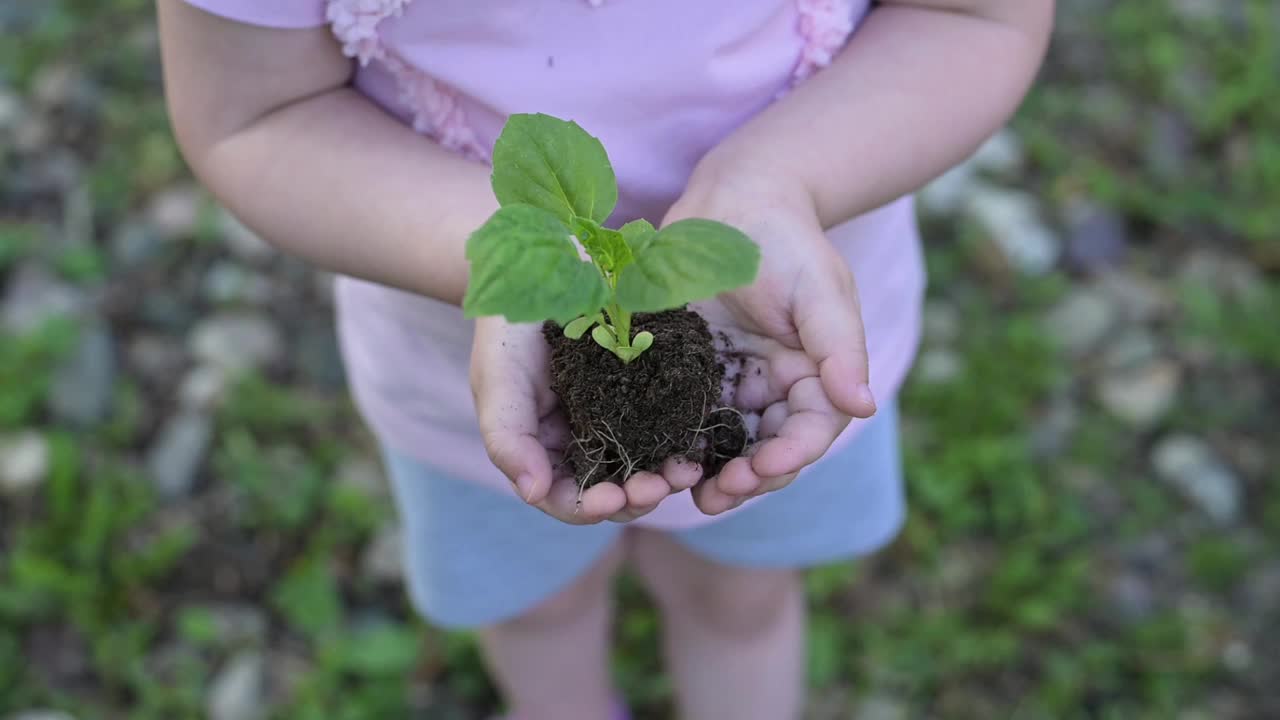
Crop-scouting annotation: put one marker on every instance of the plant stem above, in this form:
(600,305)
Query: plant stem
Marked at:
(621,320)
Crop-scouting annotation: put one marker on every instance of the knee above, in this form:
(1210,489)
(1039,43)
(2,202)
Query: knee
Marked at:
(738,602)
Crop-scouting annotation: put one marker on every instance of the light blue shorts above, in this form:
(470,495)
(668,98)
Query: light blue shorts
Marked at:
(475,556)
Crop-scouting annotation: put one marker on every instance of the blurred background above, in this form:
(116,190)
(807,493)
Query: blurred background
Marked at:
(193,523)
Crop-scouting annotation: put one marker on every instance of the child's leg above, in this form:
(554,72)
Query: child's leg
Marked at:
(552,663)
(734,637)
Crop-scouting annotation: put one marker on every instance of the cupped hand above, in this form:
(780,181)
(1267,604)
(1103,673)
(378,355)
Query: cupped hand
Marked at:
(796,332)
(525,433)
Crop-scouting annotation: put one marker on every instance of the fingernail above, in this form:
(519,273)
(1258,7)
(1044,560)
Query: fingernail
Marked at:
(865,397)
(525,482)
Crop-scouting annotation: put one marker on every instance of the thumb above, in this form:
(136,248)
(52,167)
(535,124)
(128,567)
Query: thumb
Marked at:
(828,319)
(507,411)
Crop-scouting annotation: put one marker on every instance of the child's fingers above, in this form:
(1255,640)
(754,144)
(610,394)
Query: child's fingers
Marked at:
(711,499)
(644,491)
(767,380)
(811,425)
(829,321)
(565,502)
(681,474)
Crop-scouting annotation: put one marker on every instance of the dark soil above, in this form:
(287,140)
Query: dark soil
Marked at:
(628,418)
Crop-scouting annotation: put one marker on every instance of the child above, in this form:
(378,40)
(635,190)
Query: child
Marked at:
(354,134)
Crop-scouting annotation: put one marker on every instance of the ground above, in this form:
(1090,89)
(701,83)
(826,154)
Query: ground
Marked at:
(1093,476)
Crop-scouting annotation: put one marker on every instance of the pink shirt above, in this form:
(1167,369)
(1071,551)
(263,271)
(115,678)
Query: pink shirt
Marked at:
(659,82)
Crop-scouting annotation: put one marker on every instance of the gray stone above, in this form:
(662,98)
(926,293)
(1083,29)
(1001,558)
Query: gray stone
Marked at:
(1000,154)
(1226,274)
(203,387)
(238,624)
(318,356)
(236,341)
(77,213)
(1170,146)
(1081,320)
(11,111)
(1132,349)
(363,475)
(1141,396)
(135,243)
(1052,432)
(1137,299)
(55,84)
(228,283)
(1096,238)
(175,212)
(881,707)
(948,193)
(83,384)
(238,691)
(1012,220)
(941,322)
(1132,596)
(939,365)
(35,296)
(1191,466)
(167,311)
(24,462)
(243,243)
(175,457)
(40,715)
(383,559)
(31,134)
(156,358)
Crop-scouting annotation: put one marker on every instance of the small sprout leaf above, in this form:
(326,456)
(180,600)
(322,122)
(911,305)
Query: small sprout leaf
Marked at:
(555,165)
(684,262)
(605,338)
(577,328)
(642,341)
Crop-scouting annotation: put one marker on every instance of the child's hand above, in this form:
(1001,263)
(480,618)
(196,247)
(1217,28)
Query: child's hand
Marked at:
(799,328)
(524,432)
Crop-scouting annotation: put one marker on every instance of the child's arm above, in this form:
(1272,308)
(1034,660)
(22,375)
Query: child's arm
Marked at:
(267,121)
(921,84)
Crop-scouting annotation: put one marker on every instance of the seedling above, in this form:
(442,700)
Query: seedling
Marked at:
(546,254)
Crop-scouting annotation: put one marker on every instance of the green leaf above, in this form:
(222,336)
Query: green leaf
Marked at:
(638,234)
(607,247)
(684,262)
(554,165)
(577,328)
(642,341)
(525,267)
(308,598)
(604,336)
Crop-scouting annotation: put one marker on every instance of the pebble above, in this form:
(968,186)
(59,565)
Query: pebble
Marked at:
(1052,432)
(1096,238)
(1170,147)
(11,111)
(170,312)
(1132,349)
(939,365)
(1011,218)
(1081,320)
(24,462)
(227,283)
(363,475)
(1000,154)
(1191,466)
(134,243)
(238,624)
(35,296)
(1227,274)
(174,458)
(1131,595)
(203,387)
(1143,395)
(82,387)
(1137,299)
(243,243)
(40,715)
(319,357)
(54,84)
(881,707)
(383,559)
(947,193)
(155,357)
(236,341)
(941,322)
(175,212)
(238,691)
